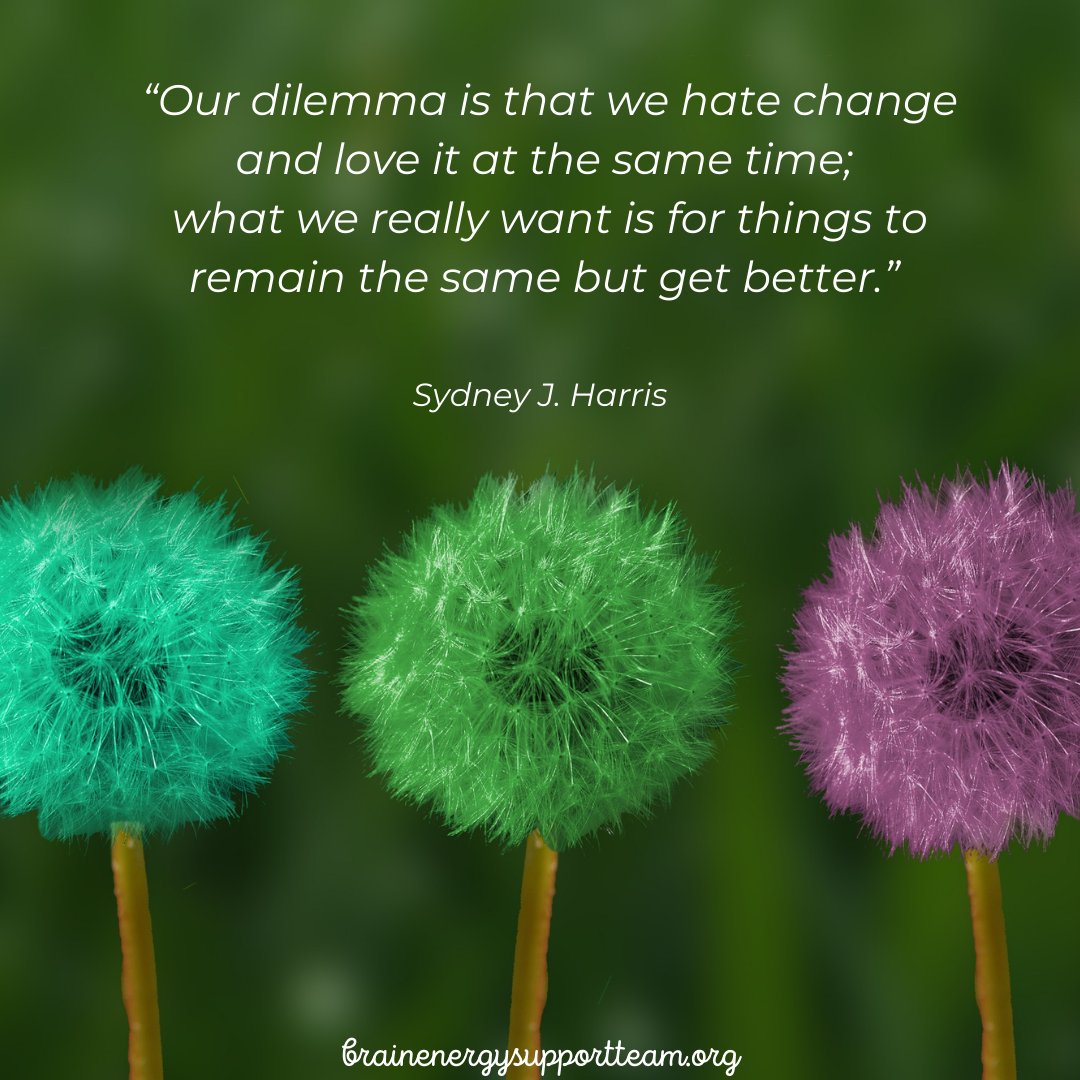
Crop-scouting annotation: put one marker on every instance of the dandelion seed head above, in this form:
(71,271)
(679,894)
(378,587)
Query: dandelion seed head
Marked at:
(935,680)
(148,657)
(552,659)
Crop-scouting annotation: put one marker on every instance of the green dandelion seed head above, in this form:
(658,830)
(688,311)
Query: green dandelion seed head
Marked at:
(148,657)
(551,659)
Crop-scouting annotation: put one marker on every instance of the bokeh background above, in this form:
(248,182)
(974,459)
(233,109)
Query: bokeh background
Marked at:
(741,916)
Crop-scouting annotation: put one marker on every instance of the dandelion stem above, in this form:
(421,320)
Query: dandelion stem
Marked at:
(138,977)
(991,968)
(530,955)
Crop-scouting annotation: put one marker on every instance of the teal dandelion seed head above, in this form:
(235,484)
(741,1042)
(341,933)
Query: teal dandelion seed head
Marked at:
(148,657)
(549,659)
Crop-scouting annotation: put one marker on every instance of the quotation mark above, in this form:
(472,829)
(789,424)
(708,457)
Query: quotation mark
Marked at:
(894,265)
(153,88)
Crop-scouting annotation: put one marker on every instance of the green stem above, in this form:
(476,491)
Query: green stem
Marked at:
(138,977)
(529,992)
(991,968)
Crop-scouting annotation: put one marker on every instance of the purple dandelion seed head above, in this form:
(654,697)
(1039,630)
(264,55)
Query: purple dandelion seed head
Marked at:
(935,680)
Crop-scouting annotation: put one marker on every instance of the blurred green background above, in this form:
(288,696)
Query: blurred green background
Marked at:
(742,916)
